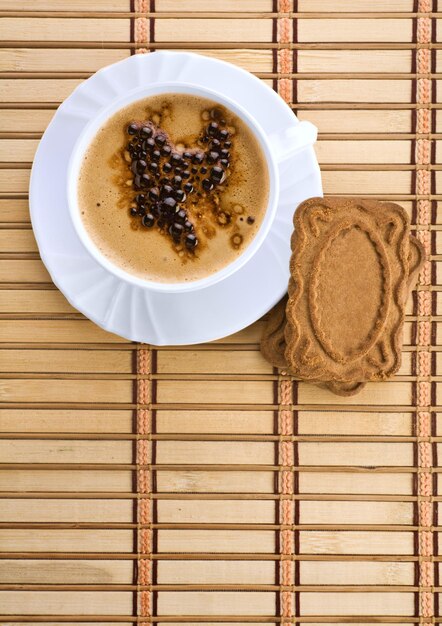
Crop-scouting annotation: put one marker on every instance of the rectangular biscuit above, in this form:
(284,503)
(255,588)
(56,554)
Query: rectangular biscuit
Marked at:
(348,288)
(273,344)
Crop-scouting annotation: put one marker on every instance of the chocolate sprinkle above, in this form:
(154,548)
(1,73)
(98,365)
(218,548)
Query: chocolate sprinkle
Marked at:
(166,190)
(148,220)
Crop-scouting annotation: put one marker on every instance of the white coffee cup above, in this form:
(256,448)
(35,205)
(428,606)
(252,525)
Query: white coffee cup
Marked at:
(275,149)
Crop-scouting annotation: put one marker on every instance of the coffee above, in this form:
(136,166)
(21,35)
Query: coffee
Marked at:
(173,188)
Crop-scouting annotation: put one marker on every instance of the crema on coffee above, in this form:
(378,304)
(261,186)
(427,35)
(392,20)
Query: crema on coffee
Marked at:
(173,188)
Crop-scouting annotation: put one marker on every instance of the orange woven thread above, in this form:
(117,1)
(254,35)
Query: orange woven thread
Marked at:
(284,30)
(285,418)
(423,121)
(144,482)
(424,237)
(425,513)
(423,393)
(424,423)
(423,61)
(424,30)
(423,184)
(285,64)
(144,421)
(143,452)
(425,508)
(145,604)
(145,543)
(145,569)
(143,391)
(425,458)
(285,56)
(287,605)
(424,6)
(426,542)
(286,572)
(425,274)
(286,398)
(427,573)
(143,395)
(423,91)
(145,548)
(286,487)
(144,510)
(286,457)
(287,544)
(144,361)
(141,25)
(423,151)
(424,369)
(424,337)
(285,89)
(423,387)
(424,482)
(285,6)
(424,303)
(141,30)
(426,604)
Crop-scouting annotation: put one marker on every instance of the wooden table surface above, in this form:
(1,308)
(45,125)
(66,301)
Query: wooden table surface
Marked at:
(198,485)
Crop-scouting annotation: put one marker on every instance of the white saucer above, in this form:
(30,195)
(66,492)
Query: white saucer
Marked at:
(139,313)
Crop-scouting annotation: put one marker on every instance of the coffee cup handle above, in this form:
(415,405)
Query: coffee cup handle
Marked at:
(293,140)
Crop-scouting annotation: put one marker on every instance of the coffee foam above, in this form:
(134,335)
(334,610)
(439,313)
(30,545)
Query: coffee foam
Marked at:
(104,195)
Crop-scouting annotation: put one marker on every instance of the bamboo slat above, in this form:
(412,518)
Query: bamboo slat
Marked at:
(48,302)
(65,571)
(359,61)
(58,540)
(215,5)
(36,90)
(351,30)
(376,484)
(80,5)
(116,362)
(66,60)
(53,331)
(66,602)
(357,6)
(354,122)
(66,420)
(82,481)
(67,511)
(65,390)
(360,91)
(61,29)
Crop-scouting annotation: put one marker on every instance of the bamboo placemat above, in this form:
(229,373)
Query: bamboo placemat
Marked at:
(197,485)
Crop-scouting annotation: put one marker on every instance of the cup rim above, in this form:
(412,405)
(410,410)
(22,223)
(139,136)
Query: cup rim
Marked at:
(89,132)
